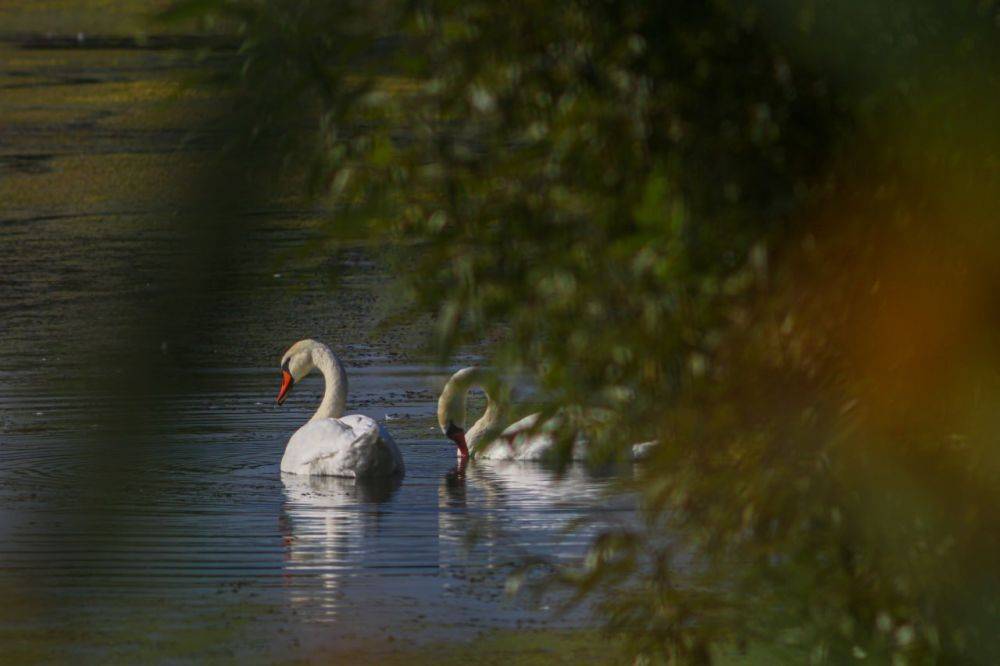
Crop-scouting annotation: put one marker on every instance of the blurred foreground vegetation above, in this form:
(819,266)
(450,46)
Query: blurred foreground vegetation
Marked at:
(764,233)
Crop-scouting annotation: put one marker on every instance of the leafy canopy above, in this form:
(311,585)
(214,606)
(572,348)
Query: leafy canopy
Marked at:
(760,232)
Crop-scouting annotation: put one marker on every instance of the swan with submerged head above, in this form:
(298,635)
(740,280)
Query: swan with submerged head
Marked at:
(331,444)
(487,439)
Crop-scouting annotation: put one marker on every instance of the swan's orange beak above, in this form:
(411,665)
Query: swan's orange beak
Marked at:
(286,386)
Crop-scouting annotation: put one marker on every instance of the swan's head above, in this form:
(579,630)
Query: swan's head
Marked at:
(457,435)
(297,362)
(451,418)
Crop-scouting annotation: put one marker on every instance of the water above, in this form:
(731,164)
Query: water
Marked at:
(142,512)
(207,530)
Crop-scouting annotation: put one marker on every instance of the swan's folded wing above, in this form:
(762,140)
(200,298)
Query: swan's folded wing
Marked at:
(350,446)
(524,439)
(331,447)
(386,459)
(349,454)
(324,439)
(643,450)
(521,426)
(528,439)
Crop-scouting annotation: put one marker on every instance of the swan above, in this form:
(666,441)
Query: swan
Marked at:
(331,444)
(525,440)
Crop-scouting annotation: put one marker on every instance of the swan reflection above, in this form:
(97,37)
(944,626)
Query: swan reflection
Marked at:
(491,512)
(363,552)
(328,524)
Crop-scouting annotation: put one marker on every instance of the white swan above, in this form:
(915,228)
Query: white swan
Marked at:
(524,440)
(331,444)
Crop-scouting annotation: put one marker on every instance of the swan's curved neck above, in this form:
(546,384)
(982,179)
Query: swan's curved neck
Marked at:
(453,402)
(489,424)
(335,395)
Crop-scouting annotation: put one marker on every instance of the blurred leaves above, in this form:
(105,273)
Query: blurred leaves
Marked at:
(764,233)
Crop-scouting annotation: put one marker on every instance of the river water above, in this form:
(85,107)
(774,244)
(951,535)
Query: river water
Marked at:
(142,513)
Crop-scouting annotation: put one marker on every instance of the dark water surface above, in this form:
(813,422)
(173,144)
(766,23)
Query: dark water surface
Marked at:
(154,524)
(203,533)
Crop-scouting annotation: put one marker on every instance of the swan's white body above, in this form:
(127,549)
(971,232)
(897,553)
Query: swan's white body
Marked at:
(524,440)
(352,446)
(331,444)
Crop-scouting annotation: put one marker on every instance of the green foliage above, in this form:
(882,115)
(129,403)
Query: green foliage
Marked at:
(760,232)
